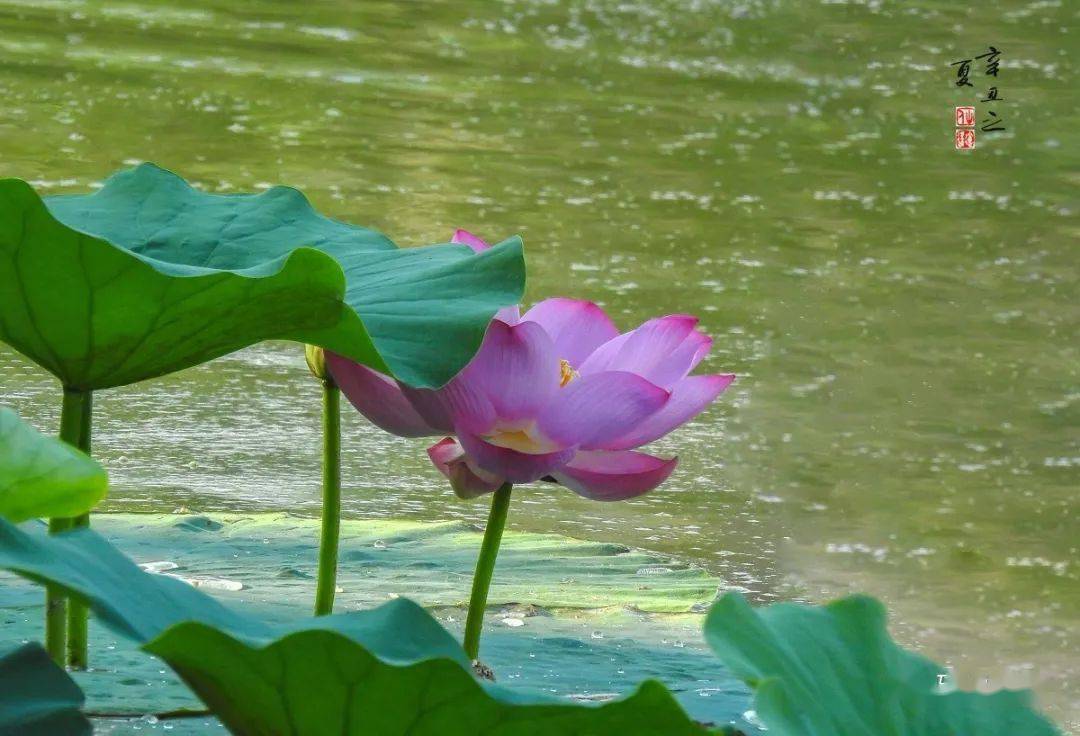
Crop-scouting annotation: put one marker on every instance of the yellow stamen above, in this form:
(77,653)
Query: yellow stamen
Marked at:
(516,439)
(566,373)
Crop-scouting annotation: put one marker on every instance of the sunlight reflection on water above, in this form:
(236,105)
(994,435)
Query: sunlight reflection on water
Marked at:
(903,321)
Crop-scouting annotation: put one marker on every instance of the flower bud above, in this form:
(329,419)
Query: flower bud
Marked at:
(316,362)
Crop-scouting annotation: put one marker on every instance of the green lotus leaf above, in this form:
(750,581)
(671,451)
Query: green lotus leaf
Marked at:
(390,670)
(833,670)
(37,698)
(149,275)
(42,476)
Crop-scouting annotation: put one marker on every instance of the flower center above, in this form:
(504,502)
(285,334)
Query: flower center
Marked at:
(517,439)
(523,438)
(566,373)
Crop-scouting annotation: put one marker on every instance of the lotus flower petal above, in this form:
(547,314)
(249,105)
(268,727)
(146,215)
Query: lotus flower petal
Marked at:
(614,476)
(467,480)
(516,369)
(468,406)
(683,359)
(577,327)
(593,410)
(689,397)
(663,350)
(513,465)
(466,238)
(509,315)
(378,397)
(429,405)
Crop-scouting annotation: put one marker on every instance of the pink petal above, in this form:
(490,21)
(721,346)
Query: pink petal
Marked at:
(591,411)
(377,397)
(683,359)
(467,405)
(514,466)
(689,397)
(467,481)
(576,327)
(663,350)
(466,238)
(614,476)
(516,369)
(509,315)
(428,405)
(444,452)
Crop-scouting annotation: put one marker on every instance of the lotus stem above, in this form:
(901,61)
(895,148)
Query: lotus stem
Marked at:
(65,621)
(485,566)
(56,609)
(331,509)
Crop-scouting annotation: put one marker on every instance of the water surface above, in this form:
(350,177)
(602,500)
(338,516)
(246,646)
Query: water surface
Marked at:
(903,316)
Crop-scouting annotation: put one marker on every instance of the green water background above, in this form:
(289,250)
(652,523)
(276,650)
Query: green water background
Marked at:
(903,316)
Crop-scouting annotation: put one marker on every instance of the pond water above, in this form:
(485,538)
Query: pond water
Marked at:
(903,316)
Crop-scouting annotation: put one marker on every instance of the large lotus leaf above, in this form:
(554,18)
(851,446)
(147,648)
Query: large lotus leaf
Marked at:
(390,670)
(37,698)
(42,476)
(149,275)
(833,670)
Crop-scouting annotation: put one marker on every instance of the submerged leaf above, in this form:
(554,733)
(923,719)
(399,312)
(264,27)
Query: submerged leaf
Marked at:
(390,670)
(834,671)
(42,476)
(425,560)
(148,276)
(37,698)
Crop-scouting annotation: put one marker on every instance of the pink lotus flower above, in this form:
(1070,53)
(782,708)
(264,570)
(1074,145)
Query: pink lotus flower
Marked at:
(556,393)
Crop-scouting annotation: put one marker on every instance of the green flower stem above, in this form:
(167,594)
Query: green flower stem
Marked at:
(485,566)
(331,510)
(75,417)
(56,609)
(78,615)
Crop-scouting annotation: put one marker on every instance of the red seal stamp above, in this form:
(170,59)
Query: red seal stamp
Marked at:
(965,139)
(965,117)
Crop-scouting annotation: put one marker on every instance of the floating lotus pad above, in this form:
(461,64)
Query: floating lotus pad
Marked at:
(42,476)
(148,276)
(274,557)
(388,670)
(545,634)
(810,664)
